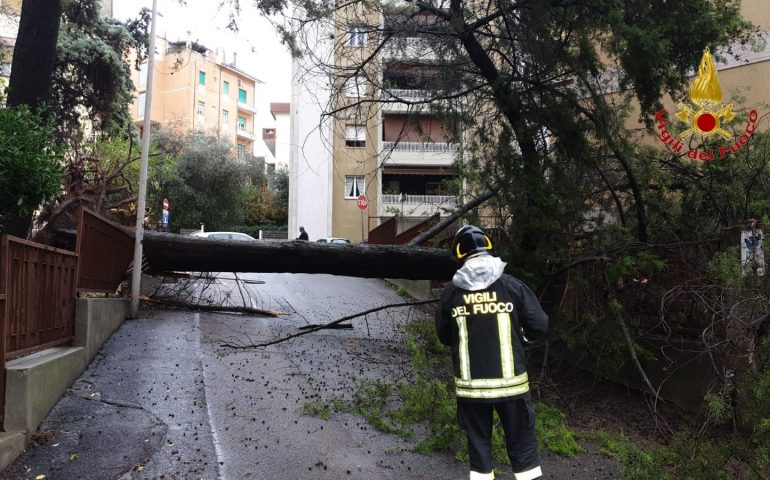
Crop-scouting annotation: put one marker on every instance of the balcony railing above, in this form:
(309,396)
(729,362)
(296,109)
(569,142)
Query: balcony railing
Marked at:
(413,95)
(409,48)
(246,107)
(243,133)
(442,200)
(420,147)
(417,205)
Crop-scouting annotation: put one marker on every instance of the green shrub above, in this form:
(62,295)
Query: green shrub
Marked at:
(30,163)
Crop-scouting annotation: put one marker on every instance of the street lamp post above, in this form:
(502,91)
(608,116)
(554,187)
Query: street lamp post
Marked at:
(136,273)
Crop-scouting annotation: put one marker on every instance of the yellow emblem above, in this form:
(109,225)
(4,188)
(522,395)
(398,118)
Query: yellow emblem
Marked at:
(706,94)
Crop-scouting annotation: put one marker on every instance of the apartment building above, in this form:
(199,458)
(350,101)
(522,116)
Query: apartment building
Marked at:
(196,89)
(277,138)
(398,155)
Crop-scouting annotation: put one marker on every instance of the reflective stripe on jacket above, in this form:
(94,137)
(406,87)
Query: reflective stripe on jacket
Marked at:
(484,330)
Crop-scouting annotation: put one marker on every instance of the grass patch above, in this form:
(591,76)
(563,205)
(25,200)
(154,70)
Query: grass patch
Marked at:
(685,457)
(317,409)
(428,399)
(553,433)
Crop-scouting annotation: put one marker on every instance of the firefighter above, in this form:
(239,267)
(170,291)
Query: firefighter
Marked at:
(484,316)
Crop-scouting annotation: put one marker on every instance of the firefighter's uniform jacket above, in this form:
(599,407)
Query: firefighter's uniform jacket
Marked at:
(484,329)
(483,316)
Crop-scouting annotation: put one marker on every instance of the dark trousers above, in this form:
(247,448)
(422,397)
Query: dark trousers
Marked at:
(517,416)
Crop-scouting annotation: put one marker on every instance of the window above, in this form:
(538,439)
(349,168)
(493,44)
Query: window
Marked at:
(225,118)
(141,101)
(242,95)
(355,136)
(202,78)
(354,186)
(241,124)
(356,36)
(355,87)
(201,108)
(143,75)
(241,151)
(226,88)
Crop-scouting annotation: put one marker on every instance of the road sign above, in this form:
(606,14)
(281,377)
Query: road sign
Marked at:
(363,203)
(165,204)
(164,218)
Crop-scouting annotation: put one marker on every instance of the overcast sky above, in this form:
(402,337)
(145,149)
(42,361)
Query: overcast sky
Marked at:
(260,52)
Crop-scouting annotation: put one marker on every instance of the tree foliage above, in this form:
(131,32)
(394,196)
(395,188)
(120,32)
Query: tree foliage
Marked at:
(540,95)
(201,178)
(72,64)
(30,165)
(92,77)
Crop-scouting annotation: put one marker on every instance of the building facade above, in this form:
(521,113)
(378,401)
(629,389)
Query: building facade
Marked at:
(277,139)
(194,89)
(379,143)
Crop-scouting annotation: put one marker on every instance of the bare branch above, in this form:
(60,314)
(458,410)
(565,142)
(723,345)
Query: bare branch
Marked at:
(327,325)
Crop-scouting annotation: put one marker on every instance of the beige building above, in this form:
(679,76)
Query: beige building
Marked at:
(194,90)
(398,156)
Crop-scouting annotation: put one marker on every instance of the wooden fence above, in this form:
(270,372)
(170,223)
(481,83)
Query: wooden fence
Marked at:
(105,253)
(40,289)
(39,285)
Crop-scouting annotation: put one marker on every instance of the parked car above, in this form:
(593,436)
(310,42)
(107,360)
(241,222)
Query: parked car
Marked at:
(333,240)
(237,236)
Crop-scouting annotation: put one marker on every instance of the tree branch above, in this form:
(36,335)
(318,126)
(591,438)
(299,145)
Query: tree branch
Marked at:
(327,325)
(437,228)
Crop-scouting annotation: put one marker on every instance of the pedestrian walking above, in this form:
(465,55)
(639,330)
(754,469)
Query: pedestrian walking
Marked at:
(302,234)
(485,317)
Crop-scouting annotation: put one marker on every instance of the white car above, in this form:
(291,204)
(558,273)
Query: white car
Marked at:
(237,236)
(333,240)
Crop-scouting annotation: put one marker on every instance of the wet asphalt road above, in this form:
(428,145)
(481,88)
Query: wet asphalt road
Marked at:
(164,400)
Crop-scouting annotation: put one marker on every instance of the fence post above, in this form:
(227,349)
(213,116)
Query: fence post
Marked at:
(3,323)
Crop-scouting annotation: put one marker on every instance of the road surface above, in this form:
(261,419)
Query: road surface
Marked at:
(164,400)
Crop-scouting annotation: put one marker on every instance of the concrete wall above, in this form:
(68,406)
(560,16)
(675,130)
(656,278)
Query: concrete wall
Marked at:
(34,383)
(403,128)
(95,321)
(418,289)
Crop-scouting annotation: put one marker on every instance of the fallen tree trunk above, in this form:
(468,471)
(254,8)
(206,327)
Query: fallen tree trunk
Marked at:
(169,252)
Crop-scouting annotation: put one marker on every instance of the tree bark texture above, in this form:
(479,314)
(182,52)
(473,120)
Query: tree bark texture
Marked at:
(34,55)
(169,252)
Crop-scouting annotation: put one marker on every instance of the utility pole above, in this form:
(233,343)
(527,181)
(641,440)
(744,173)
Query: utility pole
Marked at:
(136,273)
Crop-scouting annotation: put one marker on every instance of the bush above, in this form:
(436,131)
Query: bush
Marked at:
(30,163)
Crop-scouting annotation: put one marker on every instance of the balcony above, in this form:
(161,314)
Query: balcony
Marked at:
(245,107)
(417,205)
(419,153)
(243,133)
(408,48)
(393,98)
